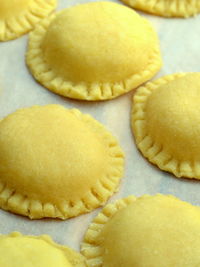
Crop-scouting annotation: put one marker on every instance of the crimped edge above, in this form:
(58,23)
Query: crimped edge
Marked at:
(105,186)
(90,246)
(166,8)
(75,258)
(155,153)
(13,27)
(45,75)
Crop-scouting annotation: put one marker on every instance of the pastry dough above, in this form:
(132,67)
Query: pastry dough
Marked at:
(166,123)
(56,162)
(167,8)
(18,250)
(100,50)
(149,231)
(18,17)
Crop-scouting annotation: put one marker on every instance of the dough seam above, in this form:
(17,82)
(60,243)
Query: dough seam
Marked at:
(155,153)
(83,90)
(13,201)
(16,26)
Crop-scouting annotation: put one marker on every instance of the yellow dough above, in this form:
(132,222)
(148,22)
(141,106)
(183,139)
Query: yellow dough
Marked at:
(149,231)
(99,51)
(56,162)
(166,123)
(167,8)
(17,250)
(18,17)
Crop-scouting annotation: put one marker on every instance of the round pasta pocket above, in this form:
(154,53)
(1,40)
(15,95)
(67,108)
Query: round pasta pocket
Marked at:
(18,17)
(146,231)
(166,123)
(22,250)
(167,8)
(56,162)
(93,51)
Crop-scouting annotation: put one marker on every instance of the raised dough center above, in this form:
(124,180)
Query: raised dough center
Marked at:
(12,8)
(173,116)
(29,252)
(155,231)
(50,154)
(98,42)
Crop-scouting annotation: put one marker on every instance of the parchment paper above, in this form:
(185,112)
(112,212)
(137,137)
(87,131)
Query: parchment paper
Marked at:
(180,45)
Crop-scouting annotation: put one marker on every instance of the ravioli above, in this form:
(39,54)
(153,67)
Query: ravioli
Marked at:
(18,17)
(166,123)
(99,51)
(37,251)
(148,231)
(56,162)
(167,8)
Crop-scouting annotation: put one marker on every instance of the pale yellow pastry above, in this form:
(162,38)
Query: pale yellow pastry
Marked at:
(18,250)
(167,8)
(93,51)
(56,162)
(166,123)
(150,231)
(18,17)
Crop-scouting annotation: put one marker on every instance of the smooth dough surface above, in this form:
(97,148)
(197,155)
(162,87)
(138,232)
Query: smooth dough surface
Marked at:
(36,251)
(149,231)
(167,8)
(100,50)
(18,17)
(56,162)
(166,123)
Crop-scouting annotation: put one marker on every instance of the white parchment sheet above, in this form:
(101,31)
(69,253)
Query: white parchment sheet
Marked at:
(180,46)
